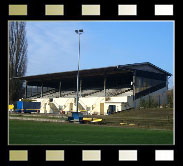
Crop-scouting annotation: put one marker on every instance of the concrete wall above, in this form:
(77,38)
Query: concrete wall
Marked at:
(89,103)
(64,102)
(92,104)
(83,102)
(159,94)
(45,107)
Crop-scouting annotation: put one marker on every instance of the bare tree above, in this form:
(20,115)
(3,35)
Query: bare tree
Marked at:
(17,58)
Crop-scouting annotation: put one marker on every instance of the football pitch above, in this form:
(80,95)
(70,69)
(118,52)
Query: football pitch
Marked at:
(31,132)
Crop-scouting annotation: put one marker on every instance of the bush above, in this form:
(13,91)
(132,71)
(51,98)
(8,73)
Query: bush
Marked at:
(150,103)
(170,98)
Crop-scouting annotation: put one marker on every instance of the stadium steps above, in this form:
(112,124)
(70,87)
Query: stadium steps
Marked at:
(69,94)
(45,94)
(87,92)
(54,108)
(80,106)
(91,93)
(122,91)
(53,93)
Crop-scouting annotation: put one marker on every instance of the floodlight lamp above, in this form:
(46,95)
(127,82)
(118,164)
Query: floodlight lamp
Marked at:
(76,31)
(81,30)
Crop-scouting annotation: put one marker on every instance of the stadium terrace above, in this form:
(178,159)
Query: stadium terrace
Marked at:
(102,91)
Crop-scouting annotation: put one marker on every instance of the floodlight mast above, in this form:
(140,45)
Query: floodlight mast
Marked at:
(79,32)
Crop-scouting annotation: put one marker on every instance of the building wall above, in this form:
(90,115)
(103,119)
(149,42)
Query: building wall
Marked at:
(45,105)
(84,102)
(159,95)
(92,104)
(145,83)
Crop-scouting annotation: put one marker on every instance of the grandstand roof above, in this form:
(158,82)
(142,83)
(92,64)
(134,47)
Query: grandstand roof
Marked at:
(95,72)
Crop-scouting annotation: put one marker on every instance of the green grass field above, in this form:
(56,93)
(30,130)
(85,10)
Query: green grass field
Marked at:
(31,132)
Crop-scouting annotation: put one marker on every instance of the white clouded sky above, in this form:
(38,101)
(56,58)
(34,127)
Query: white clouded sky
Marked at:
(53,46)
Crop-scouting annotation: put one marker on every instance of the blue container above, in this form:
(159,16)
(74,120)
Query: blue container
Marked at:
(19,106)
(76,116)
(28,107)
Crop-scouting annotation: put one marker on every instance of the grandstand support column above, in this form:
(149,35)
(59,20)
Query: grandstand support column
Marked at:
(60,85)
(167,89)
(37,90)
(134,86)
(105,87)
(80,87)
(42,90)
(25,89)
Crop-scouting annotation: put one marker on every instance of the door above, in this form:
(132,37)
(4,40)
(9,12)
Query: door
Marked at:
(112,109)
(71,106)
(101,108)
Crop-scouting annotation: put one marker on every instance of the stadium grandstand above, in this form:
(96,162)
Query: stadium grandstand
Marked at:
(101,90)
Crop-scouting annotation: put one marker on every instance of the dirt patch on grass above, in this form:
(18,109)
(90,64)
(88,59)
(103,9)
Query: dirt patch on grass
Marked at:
(154,118)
